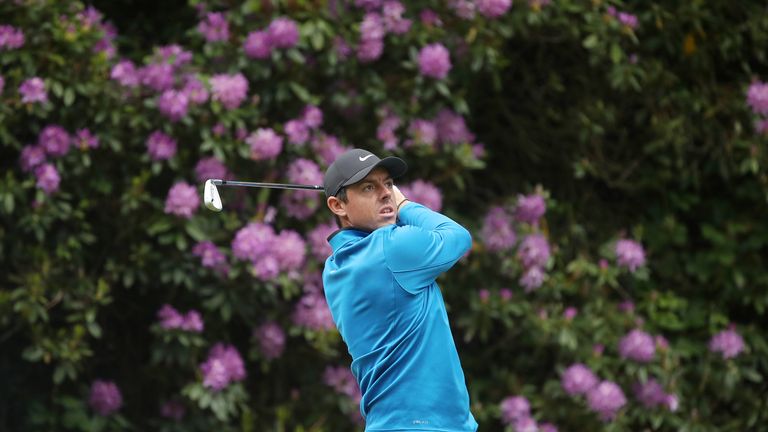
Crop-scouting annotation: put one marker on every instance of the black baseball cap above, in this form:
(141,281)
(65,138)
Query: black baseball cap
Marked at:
(354,165)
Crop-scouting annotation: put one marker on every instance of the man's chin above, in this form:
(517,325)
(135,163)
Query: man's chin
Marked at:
(387,220)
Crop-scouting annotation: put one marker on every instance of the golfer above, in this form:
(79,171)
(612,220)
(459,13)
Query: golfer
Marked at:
(380,287)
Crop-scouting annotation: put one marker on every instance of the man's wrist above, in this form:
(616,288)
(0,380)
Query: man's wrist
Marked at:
(405,200)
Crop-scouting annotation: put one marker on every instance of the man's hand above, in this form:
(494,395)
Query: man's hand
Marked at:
(398,197)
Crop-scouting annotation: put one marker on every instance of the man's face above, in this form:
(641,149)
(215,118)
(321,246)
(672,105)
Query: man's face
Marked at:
(370,203)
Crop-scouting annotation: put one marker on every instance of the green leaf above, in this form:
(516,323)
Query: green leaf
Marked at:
(94,329)
(442,88)
(590,42)
(616,53)
(159,226)
(69,96)
(8,203)
(251,7)
(57,89)
(300,92)
(195,231)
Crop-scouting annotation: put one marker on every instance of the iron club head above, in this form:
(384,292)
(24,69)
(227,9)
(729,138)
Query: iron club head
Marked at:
(211,196)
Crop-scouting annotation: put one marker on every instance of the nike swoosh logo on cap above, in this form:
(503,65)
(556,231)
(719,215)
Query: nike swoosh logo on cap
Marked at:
(362,159)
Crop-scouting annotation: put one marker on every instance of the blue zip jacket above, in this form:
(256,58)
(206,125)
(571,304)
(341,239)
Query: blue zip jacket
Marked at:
(381,290)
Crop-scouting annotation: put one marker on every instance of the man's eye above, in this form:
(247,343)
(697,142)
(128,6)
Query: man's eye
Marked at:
(368,188)
(389,185)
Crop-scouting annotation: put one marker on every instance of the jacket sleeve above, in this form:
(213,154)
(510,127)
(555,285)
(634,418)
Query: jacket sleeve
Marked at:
(423,245)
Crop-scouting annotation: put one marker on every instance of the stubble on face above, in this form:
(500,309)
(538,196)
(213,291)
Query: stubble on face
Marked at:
(370,202)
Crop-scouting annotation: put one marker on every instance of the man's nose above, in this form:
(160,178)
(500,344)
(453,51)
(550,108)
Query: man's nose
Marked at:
(386,193)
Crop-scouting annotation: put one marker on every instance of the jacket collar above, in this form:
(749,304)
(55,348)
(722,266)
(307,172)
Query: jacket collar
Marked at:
(345,235)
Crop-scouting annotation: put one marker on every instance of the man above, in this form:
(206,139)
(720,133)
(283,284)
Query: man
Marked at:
(380,287)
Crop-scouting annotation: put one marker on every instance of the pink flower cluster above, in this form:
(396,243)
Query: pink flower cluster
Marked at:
(497,233)
(105,397)
(210,256)
(178,87)
(530,208)
(230,90)
(728,343)
(424,193)
(304,171)
(10,37)
(604,398)
(183,200)
(637,345)
(392,14)
(161,146)
(626,19)
(282,33)
(386,130)
(47,178)
(326,147)
(211,168)
(271,339)
(265,144)
(90,20)
(533,252)
(53,141)
(629,254)
(318,240)
(302,204)
(85,140)
(435,61)
(578,379)
(171,319)
(33,90)
(464,9)
(223,367)
(106,44)
(446,129)
(493,8)
(311,311)
(269,253)
(340,379)
(379,20)
(422,132)
(757,99)
(516,411)
(214,27)
(298,129)
(452,129)
(651,394)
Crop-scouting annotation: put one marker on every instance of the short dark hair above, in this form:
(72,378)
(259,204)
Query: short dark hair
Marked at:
(342,196)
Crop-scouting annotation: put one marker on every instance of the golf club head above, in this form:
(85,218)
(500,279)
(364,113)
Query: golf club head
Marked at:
(211,196)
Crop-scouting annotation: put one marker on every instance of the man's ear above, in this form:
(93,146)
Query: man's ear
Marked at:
(337,206)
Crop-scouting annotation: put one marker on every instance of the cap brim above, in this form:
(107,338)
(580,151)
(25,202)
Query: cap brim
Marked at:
(394,165)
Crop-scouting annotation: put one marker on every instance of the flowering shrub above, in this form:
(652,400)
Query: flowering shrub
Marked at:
(614,192)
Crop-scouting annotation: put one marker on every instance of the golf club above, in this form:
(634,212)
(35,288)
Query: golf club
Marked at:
(213,200)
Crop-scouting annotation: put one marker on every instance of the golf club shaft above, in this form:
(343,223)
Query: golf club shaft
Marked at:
(218,182)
